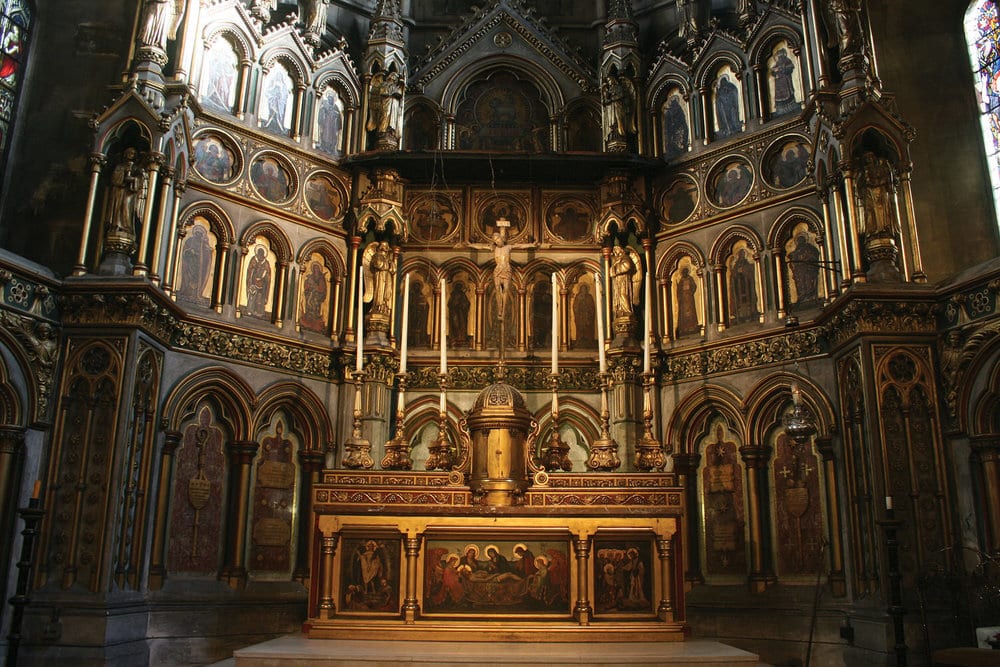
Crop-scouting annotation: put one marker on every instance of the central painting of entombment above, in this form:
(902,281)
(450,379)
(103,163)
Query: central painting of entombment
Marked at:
(497,576)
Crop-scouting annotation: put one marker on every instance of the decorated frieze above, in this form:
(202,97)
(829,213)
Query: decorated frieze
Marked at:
(744,355)
(529,378)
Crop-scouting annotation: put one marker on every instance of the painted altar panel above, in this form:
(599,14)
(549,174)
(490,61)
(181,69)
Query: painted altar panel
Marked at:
(369,574)
(490,576)
(724,505)
(272,522)
(623,577)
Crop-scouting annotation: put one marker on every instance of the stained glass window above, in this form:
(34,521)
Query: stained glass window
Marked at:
(982,31)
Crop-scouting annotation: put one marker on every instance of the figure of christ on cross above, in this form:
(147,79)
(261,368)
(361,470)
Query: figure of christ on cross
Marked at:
(502,271)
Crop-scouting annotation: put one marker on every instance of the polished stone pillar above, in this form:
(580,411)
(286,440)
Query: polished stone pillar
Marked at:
(241,455)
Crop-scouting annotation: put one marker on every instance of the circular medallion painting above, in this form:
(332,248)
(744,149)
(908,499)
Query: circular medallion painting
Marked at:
(214,158)
(433,217)
(325,199)
(502,210)
(730,183)
(679,200)
(271,178)
(786,163)
(569,218)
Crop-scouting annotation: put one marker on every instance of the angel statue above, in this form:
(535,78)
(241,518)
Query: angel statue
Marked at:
(160,21)
(626,281)
(380,272)
(619,103)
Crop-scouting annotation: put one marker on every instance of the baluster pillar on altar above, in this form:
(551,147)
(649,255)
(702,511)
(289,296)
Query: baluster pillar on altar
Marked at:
(582,611)
(411,605)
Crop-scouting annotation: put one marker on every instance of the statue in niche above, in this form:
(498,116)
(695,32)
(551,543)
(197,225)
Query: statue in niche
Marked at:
(458,316)
(126,196)
(727,107)
(625,277)
(784,89)
(687,310)
(314,291)
(386,102)
(541,314)
(380,266)
(419,311)
(843,24)
(618,93)
(196,264)
(258,283)
(878,197)
(584,314)
(160,21)
(803,262)
(743,286)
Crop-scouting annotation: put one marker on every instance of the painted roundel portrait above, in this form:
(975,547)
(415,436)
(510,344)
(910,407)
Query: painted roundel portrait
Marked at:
(503,210)
(214,159)
(786,164)
(679,200)
(569,218)
(731,182)
(325,199)
(271,178)
(433,217)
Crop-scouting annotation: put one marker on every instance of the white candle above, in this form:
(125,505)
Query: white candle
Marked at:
(360,359)
(441,405)
(406,323)
(555,326)
(555,402)
(796,395)
(648,324)
(444,337)
(600,322)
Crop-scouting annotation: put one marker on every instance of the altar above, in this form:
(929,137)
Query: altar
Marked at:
(496,547)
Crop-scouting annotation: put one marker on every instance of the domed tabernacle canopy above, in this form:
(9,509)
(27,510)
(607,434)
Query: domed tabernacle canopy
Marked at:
(501,429)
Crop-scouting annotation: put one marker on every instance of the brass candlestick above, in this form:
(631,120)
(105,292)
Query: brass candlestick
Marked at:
(440,455)
(357,448)
(557,453)
(604,451)
(397,450)
(648,452)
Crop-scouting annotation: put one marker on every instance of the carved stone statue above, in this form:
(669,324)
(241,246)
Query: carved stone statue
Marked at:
(125,198)
(618,94)
(624,274)
(313,15)
(878,197)
(687,14)
(381,268)
(843,24)
(160,20)
(386,105)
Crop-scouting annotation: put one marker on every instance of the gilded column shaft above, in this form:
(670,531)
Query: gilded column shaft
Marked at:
(665,550)
(582,611)
(241,457)
(328,550)
(837,580)
(96,162)
(411,605)
(987,453)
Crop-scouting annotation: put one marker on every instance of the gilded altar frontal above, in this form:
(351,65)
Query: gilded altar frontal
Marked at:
(628,330)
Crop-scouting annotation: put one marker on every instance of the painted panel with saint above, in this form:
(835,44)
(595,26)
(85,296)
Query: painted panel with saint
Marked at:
(259,268)
(314,296)
(197,263)
(584,309)
(219,76)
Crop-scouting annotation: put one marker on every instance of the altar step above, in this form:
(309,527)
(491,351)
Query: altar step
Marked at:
(299,650)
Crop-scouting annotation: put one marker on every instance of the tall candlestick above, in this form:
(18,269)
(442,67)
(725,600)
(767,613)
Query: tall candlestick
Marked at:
(406,323)
(444,337)
(599,288)
(555,326)
(359,362)
(648,323)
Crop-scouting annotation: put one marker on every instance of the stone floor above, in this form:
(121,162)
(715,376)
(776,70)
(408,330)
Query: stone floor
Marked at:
(299,650)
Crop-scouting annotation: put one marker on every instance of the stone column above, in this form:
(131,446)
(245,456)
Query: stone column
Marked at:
(986,453)
(665,550)
(625,399)
(310,463)
(686,465)
(241,456)
(157,557)
(837,579)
